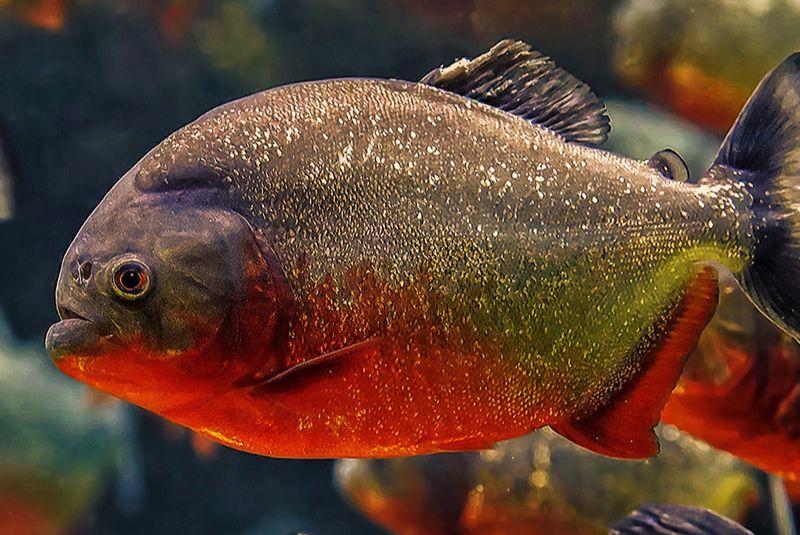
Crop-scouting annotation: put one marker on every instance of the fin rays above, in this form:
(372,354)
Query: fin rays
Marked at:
(515,78)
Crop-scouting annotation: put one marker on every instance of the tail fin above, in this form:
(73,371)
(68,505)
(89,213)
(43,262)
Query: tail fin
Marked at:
(763,150)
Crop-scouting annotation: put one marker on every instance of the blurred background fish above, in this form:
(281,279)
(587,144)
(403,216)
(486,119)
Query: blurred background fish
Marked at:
(701,59)
(43,14)
(57,450)
(173,18)
(541,484)
(8,175)
(740,390)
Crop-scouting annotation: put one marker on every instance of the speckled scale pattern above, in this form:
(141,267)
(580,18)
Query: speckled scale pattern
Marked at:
(558,256)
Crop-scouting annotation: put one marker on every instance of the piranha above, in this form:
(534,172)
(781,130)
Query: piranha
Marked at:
(45,14)
(661,48)
(540,484)
(373,268)
(9,171)
(740,389)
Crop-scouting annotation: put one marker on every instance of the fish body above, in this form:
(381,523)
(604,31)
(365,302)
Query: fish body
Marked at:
(540,484)
(375,268)
(45,14)
(661,49)
(740,390)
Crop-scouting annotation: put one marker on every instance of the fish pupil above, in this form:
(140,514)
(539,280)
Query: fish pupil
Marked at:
(131,279)
(666,171)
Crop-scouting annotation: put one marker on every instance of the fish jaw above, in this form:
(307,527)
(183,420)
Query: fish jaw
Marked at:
(73,336)
(76,334)
(156,382)
(128,368)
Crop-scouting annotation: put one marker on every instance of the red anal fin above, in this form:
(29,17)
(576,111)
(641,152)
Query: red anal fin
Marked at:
(624,427)
(326,364)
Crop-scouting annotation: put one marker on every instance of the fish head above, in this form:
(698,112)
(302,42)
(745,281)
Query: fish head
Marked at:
(164,297)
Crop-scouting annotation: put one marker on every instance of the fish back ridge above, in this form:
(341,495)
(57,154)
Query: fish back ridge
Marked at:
(517,79)
(762,151)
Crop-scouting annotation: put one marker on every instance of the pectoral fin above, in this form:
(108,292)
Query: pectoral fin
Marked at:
(327,364)
(624,427)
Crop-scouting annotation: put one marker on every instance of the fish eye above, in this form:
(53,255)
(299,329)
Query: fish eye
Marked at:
(131,280)
(669,164)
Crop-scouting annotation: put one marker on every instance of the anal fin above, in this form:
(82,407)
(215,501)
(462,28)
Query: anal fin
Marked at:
(624,427)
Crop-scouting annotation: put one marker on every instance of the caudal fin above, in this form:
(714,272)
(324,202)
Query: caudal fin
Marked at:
(763,151)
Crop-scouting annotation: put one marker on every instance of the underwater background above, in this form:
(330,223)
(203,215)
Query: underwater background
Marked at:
(88,86)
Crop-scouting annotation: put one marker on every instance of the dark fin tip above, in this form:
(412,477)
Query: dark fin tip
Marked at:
(664,519)
(762,150)
(515,78)
(624,427)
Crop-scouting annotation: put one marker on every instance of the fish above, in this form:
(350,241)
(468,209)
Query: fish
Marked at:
(58,453)
(376,268)
(658,519)
(47,15)
(640,130)
(793,490)
(484,17)
(736,389)
(409,495)
(740,390)
(540,484)
(174,18)
(234,42)
(661,49)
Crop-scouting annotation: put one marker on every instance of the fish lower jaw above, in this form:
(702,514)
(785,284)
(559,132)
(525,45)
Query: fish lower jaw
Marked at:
(74,337)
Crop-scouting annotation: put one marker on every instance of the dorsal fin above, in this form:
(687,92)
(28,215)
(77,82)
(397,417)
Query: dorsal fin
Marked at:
(515,78)
(668,519)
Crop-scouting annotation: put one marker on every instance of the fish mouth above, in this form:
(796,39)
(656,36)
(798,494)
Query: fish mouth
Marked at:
(65,313)
(74,335)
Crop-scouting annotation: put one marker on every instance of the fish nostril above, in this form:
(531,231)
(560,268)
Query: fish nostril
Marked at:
(85,270)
